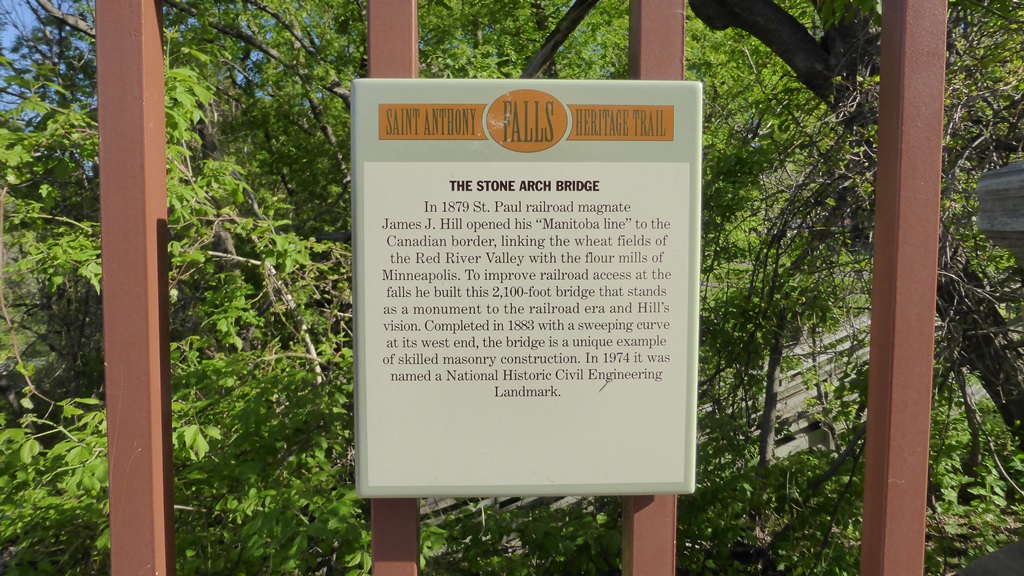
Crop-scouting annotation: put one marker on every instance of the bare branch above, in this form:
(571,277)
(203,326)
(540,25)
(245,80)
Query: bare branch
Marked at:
(233,258)
(291,27)
(277,285)
(303,329)
(566,26)
(69,20)
(3,303)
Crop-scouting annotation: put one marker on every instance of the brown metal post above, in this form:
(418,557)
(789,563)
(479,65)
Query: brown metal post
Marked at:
(393,38)
(649,535)
(393,52)
(903,291)
(657,39)
(395,536)
(133,221)
(656,52)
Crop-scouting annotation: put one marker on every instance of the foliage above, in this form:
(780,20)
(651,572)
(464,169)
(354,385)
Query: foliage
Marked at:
(258,184)
(570,537)
(54,474)
(969,494)
(261,365)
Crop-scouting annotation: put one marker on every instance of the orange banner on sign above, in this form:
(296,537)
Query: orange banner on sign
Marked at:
(631,122)
(431,122)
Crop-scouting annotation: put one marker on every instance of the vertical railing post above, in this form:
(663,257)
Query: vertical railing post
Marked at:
(393,37)
(904,286)
(133,224)
(656,52)
(657,39)
(393,52)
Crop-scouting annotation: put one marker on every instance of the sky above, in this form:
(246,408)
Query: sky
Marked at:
(13,11)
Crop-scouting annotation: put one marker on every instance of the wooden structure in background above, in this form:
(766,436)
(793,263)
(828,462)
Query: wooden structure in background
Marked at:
(1001,207)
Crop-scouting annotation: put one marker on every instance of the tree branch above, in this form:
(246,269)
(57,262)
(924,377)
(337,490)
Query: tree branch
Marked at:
(289,26)
(566,26)
(779,31)
(278,286)
(67,19)
(334,86)
(772,386)
(851,447)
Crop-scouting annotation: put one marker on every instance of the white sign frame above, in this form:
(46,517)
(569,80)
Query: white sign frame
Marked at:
(526,273)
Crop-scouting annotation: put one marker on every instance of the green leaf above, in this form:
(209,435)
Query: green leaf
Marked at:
(189,433)
(212,431)
(26,370)
(201,447)
(76,455)
(103,542)
(29,449)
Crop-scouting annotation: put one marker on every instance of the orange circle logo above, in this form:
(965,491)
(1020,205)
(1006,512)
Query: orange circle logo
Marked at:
(527,120)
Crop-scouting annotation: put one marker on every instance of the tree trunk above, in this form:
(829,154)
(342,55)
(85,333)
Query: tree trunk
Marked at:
(773,382)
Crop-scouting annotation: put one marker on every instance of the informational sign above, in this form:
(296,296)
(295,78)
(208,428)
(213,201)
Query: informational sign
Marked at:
(526,280)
